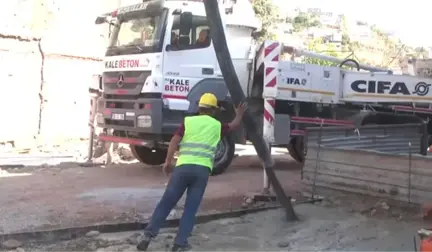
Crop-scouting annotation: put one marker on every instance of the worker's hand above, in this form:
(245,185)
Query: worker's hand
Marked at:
(167,168)
(241,108)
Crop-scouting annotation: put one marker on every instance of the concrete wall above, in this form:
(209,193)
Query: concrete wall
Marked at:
(49,50)
(20,78)
(369,173)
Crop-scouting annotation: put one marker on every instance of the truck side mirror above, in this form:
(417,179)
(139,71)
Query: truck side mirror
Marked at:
(185,22)
(257,34)
(110,29)
(185,28)
(100,20)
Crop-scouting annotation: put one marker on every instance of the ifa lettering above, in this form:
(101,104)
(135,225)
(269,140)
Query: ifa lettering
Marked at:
(296,81)
(177,85)
(122,63)
(387,87)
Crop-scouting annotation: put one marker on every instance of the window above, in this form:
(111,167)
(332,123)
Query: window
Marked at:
(138,32)
(199,35)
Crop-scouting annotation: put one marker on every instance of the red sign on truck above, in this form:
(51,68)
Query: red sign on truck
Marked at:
(177,85)
(127,63)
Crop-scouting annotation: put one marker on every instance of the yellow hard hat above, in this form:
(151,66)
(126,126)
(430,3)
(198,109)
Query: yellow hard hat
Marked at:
(208,100)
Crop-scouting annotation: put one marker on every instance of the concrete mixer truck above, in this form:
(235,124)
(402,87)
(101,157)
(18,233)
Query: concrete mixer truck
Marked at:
(160,60)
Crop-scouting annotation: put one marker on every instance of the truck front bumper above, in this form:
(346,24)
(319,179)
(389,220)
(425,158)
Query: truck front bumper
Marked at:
(124,140)
(144,116)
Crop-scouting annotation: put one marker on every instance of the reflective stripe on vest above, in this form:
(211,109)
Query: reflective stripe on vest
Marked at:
(198,145)
(197,149)
(199,142)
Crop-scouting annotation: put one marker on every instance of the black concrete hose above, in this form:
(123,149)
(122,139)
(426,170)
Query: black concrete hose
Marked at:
(233,85)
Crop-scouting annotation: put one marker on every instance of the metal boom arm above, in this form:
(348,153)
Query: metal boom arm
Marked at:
(300,52)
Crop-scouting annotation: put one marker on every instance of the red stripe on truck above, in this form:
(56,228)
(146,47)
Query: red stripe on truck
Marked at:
(174,97)
(297,132)
(116,139)
(270,48)
(411,109)
(298,119)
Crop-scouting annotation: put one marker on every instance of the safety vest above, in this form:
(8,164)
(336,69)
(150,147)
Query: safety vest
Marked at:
(201,136)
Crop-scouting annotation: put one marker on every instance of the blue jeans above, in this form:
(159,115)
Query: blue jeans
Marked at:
(192,177)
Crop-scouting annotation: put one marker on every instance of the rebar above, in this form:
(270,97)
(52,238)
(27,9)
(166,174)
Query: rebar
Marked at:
(317,162)
(93,104)
(409,171)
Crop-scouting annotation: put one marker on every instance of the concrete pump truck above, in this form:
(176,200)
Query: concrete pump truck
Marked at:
(160,60)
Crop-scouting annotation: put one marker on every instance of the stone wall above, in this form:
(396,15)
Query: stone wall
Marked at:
(49,50)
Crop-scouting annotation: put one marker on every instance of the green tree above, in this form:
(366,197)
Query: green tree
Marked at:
(344,28)
(317,45)
(421,52)
(303,21)
(345,39)
(266,11)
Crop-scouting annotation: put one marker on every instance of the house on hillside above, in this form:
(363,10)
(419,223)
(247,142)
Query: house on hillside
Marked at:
(359,31)
(283,32)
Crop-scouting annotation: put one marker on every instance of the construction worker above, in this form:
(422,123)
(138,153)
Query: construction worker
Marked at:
(203,39)
(197,137)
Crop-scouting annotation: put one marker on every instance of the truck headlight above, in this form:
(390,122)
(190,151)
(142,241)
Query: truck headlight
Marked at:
(144,121)
(100,118)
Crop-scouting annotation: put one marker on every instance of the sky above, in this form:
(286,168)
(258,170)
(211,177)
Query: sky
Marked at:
(408,20)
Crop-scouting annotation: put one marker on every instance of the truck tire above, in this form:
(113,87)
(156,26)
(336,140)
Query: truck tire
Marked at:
(224,155)
(149,156)
(296,149)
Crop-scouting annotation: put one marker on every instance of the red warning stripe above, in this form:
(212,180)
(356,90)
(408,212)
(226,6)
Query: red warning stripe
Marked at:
(272,82)
(267,115)
(269,70)
(297,132)
(272,103)
(308,120)
(269,118)
(269,49)
(411,109)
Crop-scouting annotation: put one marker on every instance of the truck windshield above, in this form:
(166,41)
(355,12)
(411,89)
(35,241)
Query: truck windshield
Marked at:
(137,34)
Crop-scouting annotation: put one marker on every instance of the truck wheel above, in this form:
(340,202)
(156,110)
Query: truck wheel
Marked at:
(224,155)
(296,149)
(149,156)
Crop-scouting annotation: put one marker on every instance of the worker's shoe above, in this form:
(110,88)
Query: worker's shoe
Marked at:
(144,243)
(177,247)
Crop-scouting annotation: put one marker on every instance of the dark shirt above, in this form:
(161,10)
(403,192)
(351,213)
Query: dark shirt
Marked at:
(225,129)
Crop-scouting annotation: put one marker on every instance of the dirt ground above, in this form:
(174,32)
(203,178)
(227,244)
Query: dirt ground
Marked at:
(67,195)
(321,228)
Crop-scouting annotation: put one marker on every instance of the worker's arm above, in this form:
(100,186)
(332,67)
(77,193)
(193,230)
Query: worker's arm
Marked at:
(174,143)
(240,110)
(172,147)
